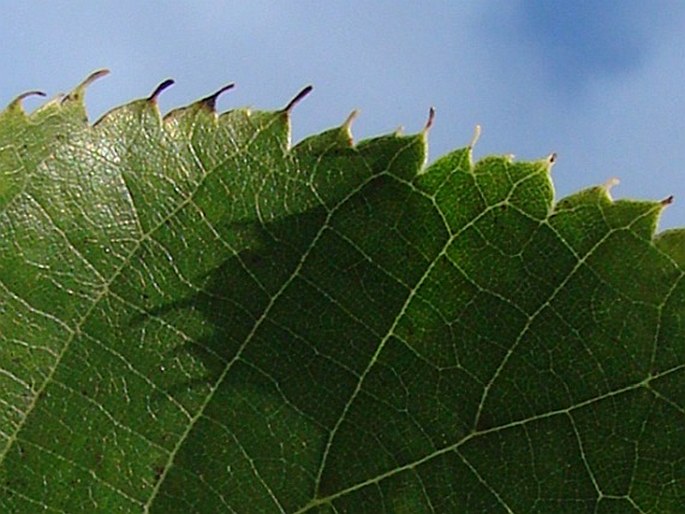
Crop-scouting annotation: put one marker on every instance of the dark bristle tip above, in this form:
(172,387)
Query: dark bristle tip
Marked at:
(430,120)
(80,89)
(298,97)
(17,102)
(30,93)
(667,201)
(95,75)
(164,85)
(210,101)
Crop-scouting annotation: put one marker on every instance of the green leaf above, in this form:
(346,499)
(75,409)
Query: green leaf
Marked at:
(197,317)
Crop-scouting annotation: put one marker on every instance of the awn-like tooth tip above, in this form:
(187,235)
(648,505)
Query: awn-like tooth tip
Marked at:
(16,103)
(78,91)
(552,158)
(92,78)
(476,136)
(210,101)
(609,185)
(158,90)
(429,121)
(29,93)
(398,131)
(667,201)
(298,97)
(347,124)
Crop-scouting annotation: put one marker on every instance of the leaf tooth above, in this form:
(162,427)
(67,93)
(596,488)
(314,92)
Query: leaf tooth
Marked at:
(210,101)
(298,97)
(609,185)
(16,104)
(667,201)
(347,124)
(346,127)
(551,160)
(429,121)
(207,103)
(77,94)
(158,90)
(476,137)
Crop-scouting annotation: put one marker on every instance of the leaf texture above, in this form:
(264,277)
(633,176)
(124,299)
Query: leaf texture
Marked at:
(197,317)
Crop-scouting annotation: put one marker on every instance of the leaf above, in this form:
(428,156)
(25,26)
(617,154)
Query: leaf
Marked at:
(197,317)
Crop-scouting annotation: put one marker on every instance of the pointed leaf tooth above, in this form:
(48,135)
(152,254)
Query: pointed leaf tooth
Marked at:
(207,104)
(210,101)
(429,121)
(158,90)
(667,201)
(16,104)
(298,97)
(78,93)
(347,124)
(476,137)
(338,137)
(550,161)
(609,185)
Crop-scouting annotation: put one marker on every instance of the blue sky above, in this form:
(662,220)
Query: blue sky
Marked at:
(599,82)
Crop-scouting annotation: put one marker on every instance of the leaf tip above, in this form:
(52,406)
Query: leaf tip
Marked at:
(298,97)
(158,90)
(210,101)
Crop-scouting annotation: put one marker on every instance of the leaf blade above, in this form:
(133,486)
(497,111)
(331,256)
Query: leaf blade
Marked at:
(201,317)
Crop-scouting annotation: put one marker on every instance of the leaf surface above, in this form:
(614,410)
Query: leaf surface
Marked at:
(197,317)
